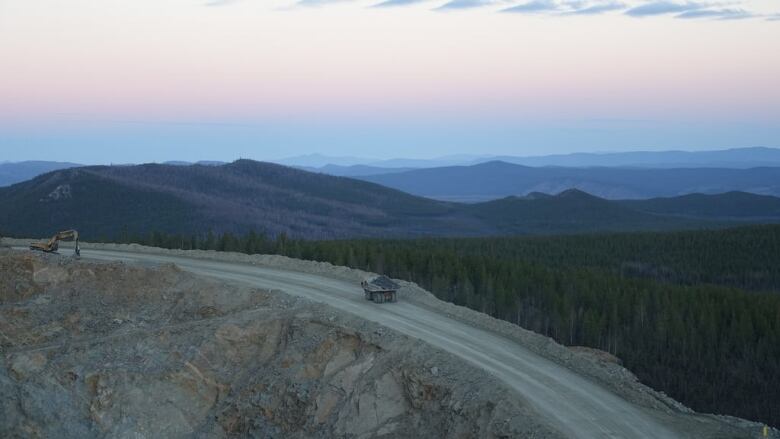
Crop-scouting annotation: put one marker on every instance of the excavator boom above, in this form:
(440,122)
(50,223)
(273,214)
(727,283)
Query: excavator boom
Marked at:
(52,245)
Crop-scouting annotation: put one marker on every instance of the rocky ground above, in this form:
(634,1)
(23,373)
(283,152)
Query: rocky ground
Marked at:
(112,350)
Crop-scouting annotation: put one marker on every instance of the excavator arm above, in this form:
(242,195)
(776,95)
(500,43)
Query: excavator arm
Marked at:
(53,244)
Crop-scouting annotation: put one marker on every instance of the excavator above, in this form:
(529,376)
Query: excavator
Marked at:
(53,244)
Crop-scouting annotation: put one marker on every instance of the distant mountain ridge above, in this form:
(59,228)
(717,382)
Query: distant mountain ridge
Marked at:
(497,179)
(320,161)
(735,158)
(106,201)
(16,172)
(738,158)
(353,170)
(201,162)
(11,173)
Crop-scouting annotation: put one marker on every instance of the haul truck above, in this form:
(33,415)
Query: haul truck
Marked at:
(381,289)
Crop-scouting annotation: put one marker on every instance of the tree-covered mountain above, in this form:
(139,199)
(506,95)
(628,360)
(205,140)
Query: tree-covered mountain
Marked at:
(244,195)
(570,211)
(498,179)
(728,206)
(107,201)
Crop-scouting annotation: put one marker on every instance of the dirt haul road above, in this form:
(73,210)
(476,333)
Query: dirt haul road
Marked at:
(576,406)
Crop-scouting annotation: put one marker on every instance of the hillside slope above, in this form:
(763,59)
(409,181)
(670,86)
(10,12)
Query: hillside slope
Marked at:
(568,212)
(235,197)
(729,206)
(108,202)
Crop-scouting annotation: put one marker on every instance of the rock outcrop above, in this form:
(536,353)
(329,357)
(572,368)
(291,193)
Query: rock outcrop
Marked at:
(111,350)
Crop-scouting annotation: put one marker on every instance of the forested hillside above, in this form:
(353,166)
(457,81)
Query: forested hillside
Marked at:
(108,201)
(730,205)
(695,314)
(111,201)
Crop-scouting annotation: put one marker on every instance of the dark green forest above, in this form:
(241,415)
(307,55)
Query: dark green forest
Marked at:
(695,314)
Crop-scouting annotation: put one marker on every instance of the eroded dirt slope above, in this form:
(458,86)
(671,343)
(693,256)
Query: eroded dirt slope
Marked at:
(112,350)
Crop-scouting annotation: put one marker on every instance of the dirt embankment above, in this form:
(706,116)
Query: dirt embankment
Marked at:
(111,350)
(608,373)
(587,362)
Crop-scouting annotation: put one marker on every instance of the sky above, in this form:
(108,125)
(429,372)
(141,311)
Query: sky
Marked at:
(119,81)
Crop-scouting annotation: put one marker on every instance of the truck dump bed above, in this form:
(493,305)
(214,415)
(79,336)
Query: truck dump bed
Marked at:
(380,290)
(381,283)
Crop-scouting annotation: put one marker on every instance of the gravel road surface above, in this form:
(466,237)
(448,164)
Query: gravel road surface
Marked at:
(577,406)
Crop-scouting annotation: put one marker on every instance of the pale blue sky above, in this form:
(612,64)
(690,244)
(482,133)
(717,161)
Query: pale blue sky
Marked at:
(135,142)
(101,82)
